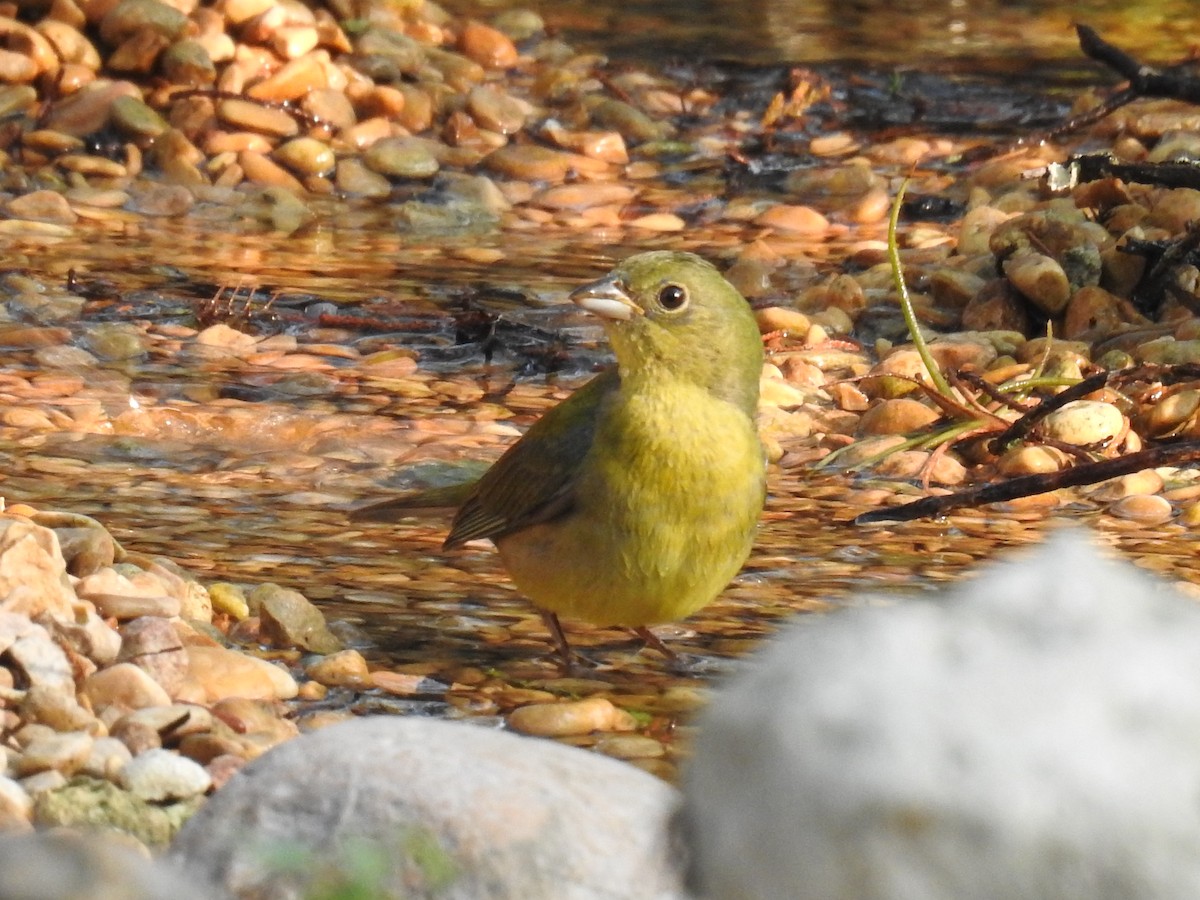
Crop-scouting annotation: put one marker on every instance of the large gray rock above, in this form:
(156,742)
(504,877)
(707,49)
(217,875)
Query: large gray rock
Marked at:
(415,808)
(1034,733)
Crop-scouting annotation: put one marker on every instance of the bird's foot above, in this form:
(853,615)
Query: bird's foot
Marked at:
(654,642)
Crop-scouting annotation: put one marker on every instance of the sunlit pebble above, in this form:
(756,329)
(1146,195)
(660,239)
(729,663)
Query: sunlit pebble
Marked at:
(1145,509)
(794,219)
(658,222)
(1031,460)
(836,144)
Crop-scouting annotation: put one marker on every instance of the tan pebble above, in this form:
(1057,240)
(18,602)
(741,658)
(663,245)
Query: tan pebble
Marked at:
(346,668)
(42,206)
(495,110)
(85,164)
(402,157)
(87,110)
(62,752)
(38,54)
(256,117)
(954,287)
(221,142)
(125,686)
(57,709)
(312,690)
(535,163)
(1148,509)
(225,673)
(658,222)
(1171,412)
(16,98)
(894,376)
(261,170)
(228,599)
(1135,484)
(944,468)
(567,718)
(781,318)
(487,46)
(69,43)
(293,41)
(107,757)
(777,392)
(629,746)
(873,206)
(1083,422)
(794,219)
(899,416)
(1031,460)
(1189,514)
(330,108)
(306,156)
(355,178)
(976,229)
(848,396)
(122,606)
(400,683)
(1040,279)
(835,144)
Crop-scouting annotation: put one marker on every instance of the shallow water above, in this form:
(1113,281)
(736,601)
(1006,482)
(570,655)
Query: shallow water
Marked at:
(175,468)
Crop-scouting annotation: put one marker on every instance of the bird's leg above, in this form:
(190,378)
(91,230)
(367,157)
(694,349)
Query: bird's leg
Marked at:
(560,639)
(655,642)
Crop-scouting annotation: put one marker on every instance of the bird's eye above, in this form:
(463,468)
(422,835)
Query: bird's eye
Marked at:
(672,297)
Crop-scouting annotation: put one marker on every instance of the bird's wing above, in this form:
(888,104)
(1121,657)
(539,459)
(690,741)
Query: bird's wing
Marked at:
(534,481)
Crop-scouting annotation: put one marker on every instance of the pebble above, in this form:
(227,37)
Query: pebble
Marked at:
(346,668)
(63,752)
(160,776)
(570,718)
(220,673)
(1146,509)
(902,415)
(794,219)
(125,686)
(534,163)
(1084,423)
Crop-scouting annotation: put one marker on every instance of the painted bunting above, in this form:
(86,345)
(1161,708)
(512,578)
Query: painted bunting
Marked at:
(635,500)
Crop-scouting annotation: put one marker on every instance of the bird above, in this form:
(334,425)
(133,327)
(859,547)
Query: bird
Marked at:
(635,500)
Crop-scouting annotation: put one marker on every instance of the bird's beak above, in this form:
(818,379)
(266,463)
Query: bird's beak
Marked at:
(607,298)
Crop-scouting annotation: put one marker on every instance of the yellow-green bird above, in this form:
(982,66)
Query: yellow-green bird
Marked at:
(636,499)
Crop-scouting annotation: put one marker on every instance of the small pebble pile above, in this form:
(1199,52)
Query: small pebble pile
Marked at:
(123,696)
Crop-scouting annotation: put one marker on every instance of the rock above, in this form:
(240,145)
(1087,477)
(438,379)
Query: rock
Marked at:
(290,620)
(346,668)
(1035,721)
(41,662)
(65,752)
(151,644)
(101,804)
(124,685)
(160,776)
(1083,422)
(221,673)
(33,574)
(57,709)
(902,415)
(478,813)
(570,718)
(63,865)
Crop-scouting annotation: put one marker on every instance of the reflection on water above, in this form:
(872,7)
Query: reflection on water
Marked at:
(995,34)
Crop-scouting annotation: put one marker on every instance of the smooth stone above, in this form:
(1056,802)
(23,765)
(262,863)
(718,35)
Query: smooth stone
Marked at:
(1148,509)
(124,685)
(1083,422)
(347,668)
(56,708)
(401,157)
(531,162)
(902,415)
(152,644)
(478,813)
(41,662)
(42,206)
(1040,279)
(487,46)
(1035,721)
(222,673)
(306,156)
(33,574)
(159,776)
(62,752)
(572,717)
(289,619)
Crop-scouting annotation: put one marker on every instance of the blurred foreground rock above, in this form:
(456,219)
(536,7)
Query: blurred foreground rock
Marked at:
(407,807)
(1034,733)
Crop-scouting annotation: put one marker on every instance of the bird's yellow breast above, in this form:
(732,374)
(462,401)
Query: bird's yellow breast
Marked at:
(664,513)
